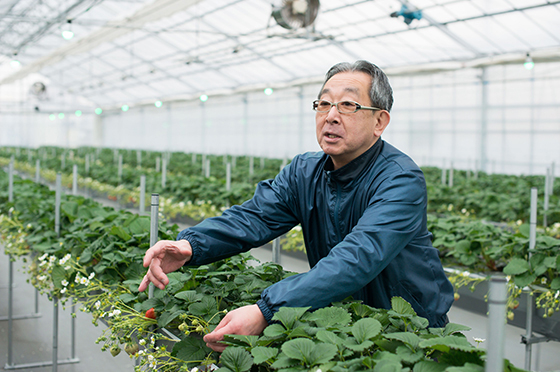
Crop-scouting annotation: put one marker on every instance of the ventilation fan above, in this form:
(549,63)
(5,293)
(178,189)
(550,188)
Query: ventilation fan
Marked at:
(38,89)
(294,14)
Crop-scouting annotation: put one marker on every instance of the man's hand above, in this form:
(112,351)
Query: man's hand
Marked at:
(247,320)
(164,257)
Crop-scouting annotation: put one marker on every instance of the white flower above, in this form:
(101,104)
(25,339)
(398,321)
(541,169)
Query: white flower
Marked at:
(543,280)
(150,357)
(90,277)
(52,259)
(97,304)
(450,207)
(464,210)
(142,342)
(43,257)
(476,339)
(83,281)
(64,282)
(63,290)
(194,369)
(153,364)
(519,222)
(67,267)
(29,226)
(11,210)
(41,277)
(142,352)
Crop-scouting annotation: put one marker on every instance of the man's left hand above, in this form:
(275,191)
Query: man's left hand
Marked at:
(247,320)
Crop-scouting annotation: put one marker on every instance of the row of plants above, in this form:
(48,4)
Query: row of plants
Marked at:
(97,258)
(470,244)
(500,198)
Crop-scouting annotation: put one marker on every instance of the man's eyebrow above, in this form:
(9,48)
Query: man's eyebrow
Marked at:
(348,89)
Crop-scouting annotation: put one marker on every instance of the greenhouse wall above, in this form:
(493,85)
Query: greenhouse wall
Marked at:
(499,119)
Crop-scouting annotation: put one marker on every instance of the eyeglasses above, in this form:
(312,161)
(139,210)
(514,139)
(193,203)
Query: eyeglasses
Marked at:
(344,107)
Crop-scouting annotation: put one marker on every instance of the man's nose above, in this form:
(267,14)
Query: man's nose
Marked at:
(333,116)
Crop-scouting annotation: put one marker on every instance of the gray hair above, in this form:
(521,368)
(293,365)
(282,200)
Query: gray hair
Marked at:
(381,93)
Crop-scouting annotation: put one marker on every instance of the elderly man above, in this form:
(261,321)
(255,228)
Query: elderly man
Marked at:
(361,204)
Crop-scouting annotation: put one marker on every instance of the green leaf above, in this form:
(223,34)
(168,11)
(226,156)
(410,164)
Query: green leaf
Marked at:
(388,365)
(525,230)
(167,317)
(429,366)
(330,317)
(517,266)
(555,284)
(263,354)
(191,348)
(352,344)
(409,356)
(451,328)
(242,340)
(274,331)
(189,296)
(58,275)
(407,338)
(329,337)
(446,343)
(284,362)
(120,232)
(365,329)
(400,306)
(322,353)
(524,279)
(237,359)
(299,348)
(361,310)
(127,297)
(468,367)
(70,209)
(289,315)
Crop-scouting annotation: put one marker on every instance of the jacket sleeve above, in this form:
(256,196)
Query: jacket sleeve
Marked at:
(393,217)
(242,227)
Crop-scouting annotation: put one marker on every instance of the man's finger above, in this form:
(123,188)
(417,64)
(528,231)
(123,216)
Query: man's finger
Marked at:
(153,252)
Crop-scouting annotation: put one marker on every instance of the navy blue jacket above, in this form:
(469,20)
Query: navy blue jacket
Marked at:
(364,227)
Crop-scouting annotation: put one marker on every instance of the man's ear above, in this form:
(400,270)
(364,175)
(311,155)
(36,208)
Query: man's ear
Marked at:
(381,123)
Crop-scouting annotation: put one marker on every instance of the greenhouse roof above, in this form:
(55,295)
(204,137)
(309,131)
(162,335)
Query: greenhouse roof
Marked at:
(137,51)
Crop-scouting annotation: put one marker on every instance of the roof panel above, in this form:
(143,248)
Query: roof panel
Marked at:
(526,30)
(440,14)
(463,9)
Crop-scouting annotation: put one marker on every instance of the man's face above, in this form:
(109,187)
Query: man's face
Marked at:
(346,136)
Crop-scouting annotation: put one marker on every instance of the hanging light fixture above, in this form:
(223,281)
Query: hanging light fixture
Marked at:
(529,64)
(67,33)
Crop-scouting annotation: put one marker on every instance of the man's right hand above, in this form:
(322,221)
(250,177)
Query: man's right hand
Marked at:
(164,257)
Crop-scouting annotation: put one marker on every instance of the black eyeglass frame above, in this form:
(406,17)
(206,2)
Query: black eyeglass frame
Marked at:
(358,106)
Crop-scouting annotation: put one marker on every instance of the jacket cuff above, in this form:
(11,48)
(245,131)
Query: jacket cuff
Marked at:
(185,235)
(265,310)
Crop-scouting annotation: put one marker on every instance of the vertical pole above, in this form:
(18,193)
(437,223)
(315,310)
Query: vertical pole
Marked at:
(153,231)
(163,172)
(158,159)
(443,176)
(11,180)
(251,166)
(37,171)
(75,179)
(551,187)
(496,324)
(546,195)
(87,164)
(483,119)
(55,335)
(532,242)
(58,191)
(142,200)
(276,250)
(120,168)
(207,168)
(62,161)
(10,311)
(228,176)
(451,174)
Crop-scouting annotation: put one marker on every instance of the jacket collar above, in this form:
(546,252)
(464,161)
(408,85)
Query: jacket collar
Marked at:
(353,169)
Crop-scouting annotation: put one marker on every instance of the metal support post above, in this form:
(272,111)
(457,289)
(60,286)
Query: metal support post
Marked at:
(158,160)
(532,243)
(251,166)
(497,299)
(546,195)
(75,180)
(87,163)
(443,176)
(142,200)
(153,231)
(451,175)
(207,168)
(163,172)
(58,191)
(11,180)
(119,174)
(276,251)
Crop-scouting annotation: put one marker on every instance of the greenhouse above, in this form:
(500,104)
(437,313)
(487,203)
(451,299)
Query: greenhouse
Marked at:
(280,185)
